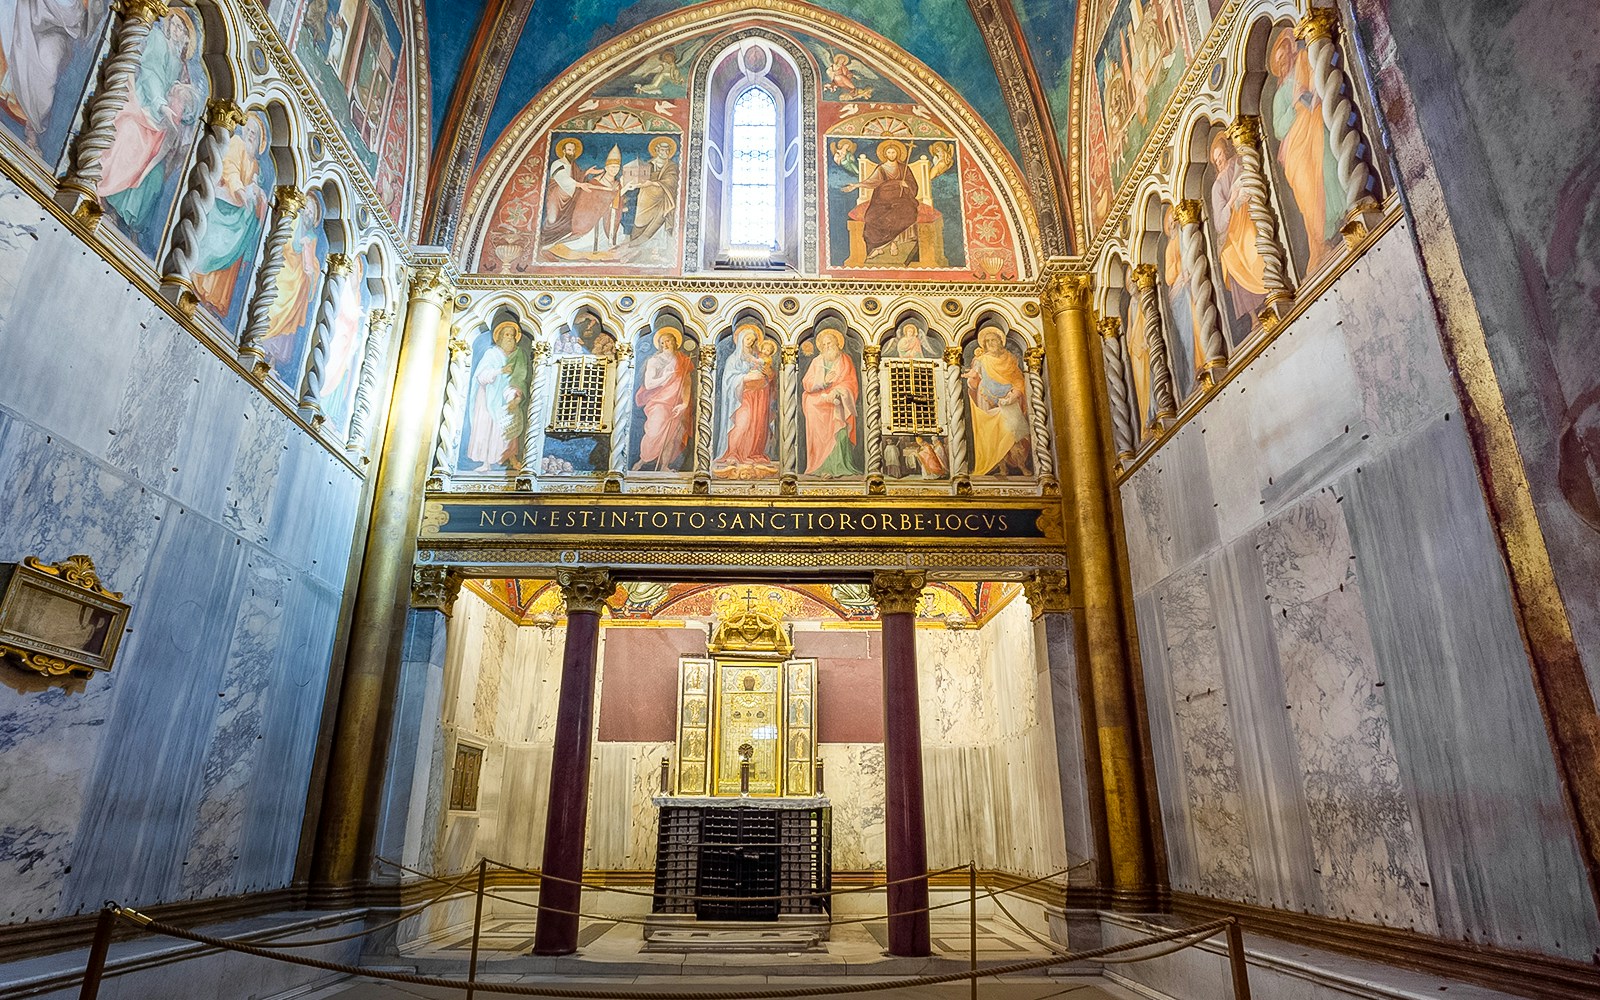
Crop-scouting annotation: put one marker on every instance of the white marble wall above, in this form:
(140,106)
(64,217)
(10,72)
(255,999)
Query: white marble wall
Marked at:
(183,773)
(1341,710)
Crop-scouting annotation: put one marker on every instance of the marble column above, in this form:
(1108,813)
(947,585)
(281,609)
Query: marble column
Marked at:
(340,267)
(538,406)
(956,401)
(905,829)
(556,930)
(1202,292)
(378,612)
(1319,29)
(1246,135)
(789,412)
(1044,458)
(79,190)
(451,414)
(222,117)
(1114,353)
(872,388)
(372,363)
(624,371)
(704,400)
(287,204)
(1155,340)
(1097,586)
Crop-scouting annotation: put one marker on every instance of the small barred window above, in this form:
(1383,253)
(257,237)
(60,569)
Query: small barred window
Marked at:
(581,395)
(913,398)
(464,778)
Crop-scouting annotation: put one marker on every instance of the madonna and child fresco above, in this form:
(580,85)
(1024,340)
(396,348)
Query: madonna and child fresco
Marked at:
(665,401)
(997,401)
(747,405)
(830,403)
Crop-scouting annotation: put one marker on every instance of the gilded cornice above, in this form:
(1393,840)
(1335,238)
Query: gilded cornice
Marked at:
(512,145)
(702,284)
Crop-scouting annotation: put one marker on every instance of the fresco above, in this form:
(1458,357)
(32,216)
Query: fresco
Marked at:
(226,258)
(1239,264)
(1126,308)
(663,73)
(1143,49)
(1048,26)
(345,341)
(154,132)
(1186,355)
(997,404)
(605,190)
(1304,167)
(47,52)
(575,453)
(293,311)
(352,50)
(663,423)
(831,442)
(915,456)
(498,386)
(893,200)
(747,404)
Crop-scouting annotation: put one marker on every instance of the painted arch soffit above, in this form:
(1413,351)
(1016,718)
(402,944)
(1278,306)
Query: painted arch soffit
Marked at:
(613,61)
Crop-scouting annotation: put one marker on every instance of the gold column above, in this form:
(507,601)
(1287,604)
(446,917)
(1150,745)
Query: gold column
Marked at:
(1094,581)
(378,616)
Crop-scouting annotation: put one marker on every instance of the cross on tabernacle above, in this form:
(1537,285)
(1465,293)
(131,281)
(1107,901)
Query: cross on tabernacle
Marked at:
(749,601)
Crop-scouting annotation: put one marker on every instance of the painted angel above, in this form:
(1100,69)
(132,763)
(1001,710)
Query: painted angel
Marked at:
(841,71)
(658,70)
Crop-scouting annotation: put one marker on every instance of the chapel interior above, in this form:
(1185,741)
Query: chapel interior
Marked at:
(930,497)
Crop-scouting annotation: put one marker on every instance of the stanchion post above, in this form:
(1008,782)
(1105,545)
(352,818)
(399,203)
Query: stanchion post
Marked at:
(1236,962)
(972,921)
(96,968)
(477,927)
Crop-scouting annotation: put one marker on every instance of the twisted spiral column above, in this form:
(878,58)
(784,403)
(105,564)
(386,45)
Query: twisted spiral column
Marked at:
(288,203)
(871,358)
(1319,30)
(134,19)
(340,267)
(789,412)
(1202,293)
(451,415)
(1044,458)
(372,363)
(1155,338)
(536,405)
(956,402)
(704,398)
(622,408)
(1246,135)
(199,196)
(1115,356)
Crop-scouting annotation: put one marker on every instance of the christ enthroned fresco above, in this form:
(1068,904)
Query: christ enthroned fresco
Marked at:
(889,200)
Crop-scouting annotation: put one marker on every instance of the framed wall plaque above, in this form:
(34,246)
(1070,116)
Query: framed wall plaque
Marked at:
(57,619)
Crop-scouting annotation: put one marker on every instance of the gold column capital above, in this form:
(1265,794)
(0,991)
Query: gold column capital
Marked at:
(340,264)
(897,592)
(435,588)
(1145,276)
(1319,23)
(1034,356)
(1048,592)
(457,346)
(952,354)
(289,200)
(585,589)
(871,354)
(377,319)
(1068,291)
(791,355)
(1110,327)
(141,10)
(540,351)
(708,357)
(432,285)
(222,112)
(621,353)
(1188,212)
(1246,131)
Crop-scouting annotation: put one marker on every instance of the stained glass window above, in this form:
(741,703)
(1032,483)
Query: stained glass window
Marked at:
(753,209)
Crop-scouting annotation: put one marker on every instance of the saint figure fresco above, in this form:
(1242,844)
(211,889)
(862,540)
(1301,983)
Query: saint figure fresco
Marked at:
(152,132)
(911,341)
(747,406)
(830,397)
(1302,154)
(997,397)
(46,51)
(226,254)
(344,347)
(665,397)
(1144,404)
(497,393)
(1187,356)
(292,312)
(1239,262)
(351,50)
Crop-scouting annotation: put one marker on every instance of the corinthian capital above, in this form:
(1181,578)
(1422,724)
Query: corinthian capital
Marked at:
(1068,291)
(898,592)
(435,588)
(223,113)
(431,285)
(148,11)
(585,589)
(1319,23)
(1246,131)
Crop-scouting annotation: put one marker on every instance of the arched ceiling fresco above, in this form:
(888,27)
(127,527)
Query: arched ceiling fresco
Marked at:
(1010,60)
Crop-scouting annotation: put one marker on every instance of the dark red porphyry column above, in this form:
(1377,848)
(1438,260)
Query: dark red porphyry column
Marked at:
(906,839)
(556,932)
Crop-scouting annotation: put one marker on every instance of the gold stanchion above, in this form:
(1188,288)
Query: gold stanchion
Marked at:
(96,968)
(477,928)
(1236,962)
(972,929)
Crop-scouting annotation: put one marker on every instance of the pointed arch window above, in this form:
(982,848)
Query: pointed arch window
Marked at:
(753,156)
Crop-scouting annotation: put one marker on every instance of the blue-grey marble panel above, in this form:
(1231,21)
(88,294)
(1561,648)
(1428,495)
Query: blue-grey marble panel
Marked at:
(158,403)
(253,480)
(1054,641)
(1468,731)
(147,782)
(416,719)
(209,445)
(22,222)
(1167,758)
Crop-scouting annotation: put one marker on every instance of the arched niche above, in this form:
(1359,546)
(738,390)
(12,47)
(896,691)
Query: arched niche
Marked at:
(915,409)
(665,396)
(577,417)
(831,384)
(498,401)
(746,444)
(997,399)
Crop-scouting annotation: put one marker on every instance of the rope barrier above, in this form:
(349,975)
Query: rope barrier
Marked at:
(558,993)
(733,899)
(404,915)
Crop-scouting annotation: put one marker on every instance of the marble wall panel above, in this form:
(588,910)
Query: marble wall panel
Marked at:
(955,687)
(854,783)
(622,817)
(417,705)
(1059,679)
(21,220)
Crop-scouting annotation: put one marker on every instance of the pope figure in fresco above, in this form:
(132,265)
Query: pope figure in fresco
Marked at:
(664,396)
(997,388)
(1304,152)
(829,393)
